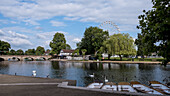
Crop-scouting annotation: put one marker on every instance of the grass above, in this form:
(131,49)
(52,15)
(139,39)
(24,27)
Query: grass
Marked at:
(135,59)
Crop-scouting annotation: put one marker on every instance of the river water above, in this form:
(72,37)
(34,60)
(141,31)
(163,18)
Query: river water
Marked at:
(81,71)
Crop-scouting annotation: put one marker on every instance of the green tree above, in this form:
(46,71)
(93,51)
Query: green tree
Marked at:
(119,44)
(93,39)
(155,28)
(12,52)
(4,47)
(30,52)
(20,52)
(58,43)
(40,50)
(68,47)
(76,52)
(83,53)
(141,46)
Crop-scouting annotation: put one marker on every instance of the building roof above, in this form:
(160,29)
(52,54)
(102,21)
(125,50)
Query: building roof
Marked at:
(67,51)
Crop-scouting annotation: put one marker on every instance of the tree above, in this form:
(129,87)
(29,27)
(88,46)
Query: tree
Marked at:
(155,28)
(119,44)
(4,47)
(20,52)
(58,43)
(141,46)
(68,47)
(30,52)
(12,52)
(76,52)
(40,50)
(93,39)
(83,53)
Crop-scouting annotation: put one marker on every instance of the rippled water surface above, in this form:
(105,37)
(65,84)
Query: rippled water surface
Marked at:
(80,71)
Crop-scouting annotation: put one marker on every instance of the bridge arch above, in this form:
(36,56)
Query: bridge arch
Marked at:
(43,58)
(2,59)
(14,59)
(29,59)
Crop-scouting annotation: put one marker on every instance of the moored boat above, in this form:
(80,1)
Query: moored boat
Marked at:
(143,88)
(160,87)
(110,86)
(95,85)
(125,87)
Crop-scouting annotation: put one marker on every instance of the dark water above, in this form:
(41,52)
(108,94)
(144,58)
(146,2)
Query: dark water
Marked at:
(80,71)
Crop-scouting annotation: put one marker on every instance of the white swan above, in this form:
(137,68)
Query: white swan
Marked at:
(34,73)
(106,80)
(92,76)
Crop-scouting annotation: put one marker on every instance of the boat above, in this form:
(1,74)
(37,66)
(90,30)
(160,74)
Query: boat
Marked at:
(125,87)
(143,88)
(160,87)
(95,85)
(110,86)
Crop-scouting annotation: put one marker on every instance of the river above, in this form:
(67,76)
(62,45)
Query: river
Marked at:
(81,71)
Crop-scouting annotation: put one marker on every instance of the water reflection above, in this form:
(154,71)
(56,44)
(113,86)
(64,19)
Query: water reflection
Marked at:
(80,71)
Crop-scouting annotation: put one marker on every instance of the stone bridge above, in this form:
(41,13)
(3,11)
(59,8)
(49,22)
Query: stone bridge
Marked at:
(22,57)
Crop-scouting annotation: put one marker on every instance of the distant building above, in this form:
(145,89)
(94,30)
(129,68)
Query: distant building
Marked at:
(65,52)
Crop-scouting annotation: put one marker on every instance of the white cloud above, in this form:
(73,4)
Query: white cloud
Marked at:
(16,40)
(123,13)
(45,38)
(14,34)
(29,21)
(18,29)
(13,22)
(7,21)
(57,24)
(118,11)
(47,35)
(76,40)
(2,33)
(71,18)
(38,28)
(41,36)
(20,42)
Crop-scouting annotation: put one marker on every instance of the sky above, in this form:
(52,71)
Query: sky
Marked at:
(27,24)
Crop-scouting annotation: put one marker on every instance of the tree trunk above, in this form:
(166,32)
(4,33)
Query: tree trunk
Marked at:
(120,57)
(109,56)
(143,57)
(95,53)
(83,57)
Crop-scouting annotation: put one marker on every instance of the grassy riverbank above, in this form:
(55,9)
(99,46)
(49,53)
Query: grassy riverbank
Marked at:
(135,59)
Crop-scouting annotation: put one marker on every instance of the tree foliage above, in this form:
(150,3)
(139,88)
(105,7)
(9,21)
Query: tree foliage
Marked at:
(93,39)
(83,53)
(58,43)
(68,47)
(141,46)
(40,50)
(20,52)
(4,47)
(155,28)
(12,52)
(76,52)
(30,52)
(119,44)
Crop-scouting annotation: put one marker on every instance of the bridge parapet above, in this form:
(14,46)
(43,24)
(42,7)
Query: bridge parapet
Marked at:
(22,57)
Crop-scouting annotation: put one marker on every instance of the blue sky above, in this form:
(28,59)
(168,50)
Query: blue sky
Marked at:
(27,24)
